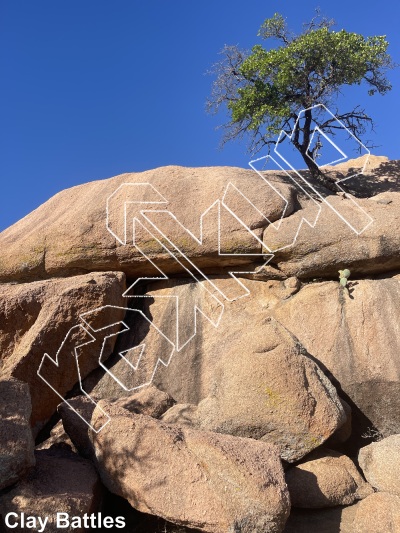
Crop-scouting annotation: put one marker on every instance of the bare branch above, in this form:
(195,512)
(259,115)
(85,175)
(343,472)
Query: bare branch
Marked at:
(317,22)
(228,78)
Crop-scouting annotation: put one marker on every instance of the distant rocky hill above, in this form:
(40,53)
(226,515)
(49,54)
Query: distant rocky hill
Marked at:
(217,377)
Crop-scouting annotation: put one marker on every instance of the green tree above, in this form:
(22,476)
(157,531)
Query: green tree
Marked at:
(264,90)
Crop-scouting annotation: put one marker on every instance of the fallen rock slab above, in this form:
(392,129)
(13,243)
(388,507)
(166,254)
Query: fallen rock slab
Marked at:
(211,482)
(39,318)
(326,479)
(62,482)
(68,236)
(148,401)
(16,441)
(380,463)
(321,250)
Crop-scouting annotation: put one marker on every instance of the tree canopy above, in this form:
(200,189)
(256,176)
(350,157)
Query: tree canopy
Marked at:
(265,90)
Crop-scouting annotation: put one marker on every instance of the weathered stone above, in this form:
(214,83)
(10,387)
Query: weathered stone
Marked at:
(147,401)
(356,338)
(73,415)
(284,396)
(16,441)
(158,525)
(320,251)
(215,483)
(189,374)
(67,235)
(326,479)
(378,513)
(342,434)
(58,438)
(362,237)
(380,463)
(265,372)
(38,317)
(62,482)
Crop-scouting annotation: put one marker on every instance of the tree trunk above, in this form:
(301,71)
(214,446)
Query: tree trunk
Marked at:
(317,174)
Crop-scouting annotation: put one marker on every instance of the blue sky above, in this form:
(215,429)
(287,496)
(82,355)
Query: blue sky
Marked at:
(94,88)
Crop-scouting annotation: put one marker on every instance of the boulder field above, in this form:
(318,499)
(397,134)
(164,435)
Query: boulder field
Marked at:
(176,349)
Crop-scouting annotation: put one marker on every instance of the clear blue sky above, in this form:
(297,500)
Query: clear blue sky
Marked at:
(94,88)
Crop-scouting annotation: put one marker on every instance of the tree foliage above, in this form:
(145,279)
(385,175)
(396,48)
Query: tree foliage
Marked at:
(264,90)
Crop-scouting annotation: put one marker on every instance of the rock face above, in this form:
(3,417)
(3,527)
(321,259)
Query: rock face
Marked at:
(380,462)
(250,370)
(326,479)
(40,247)
(75,427)
(38,317)
(16,441)
(342,434)
(321,250)
(62,482)
(378,513)
(356,338)
(285,398)
(149,401)
(215,483)
(58,439)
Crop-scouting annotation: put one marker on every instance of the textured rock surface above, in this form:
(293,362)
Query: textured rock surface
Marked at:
(58,438)
(326,479)
(147,401)
(190,374)
(61,482)
(271,366)
(378,513)
(321,250)
(356,338)
(72,415)
(215,483)
(39,246)
(342,434)
(284,397)
(16,441)
(37,318)
(380,463)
